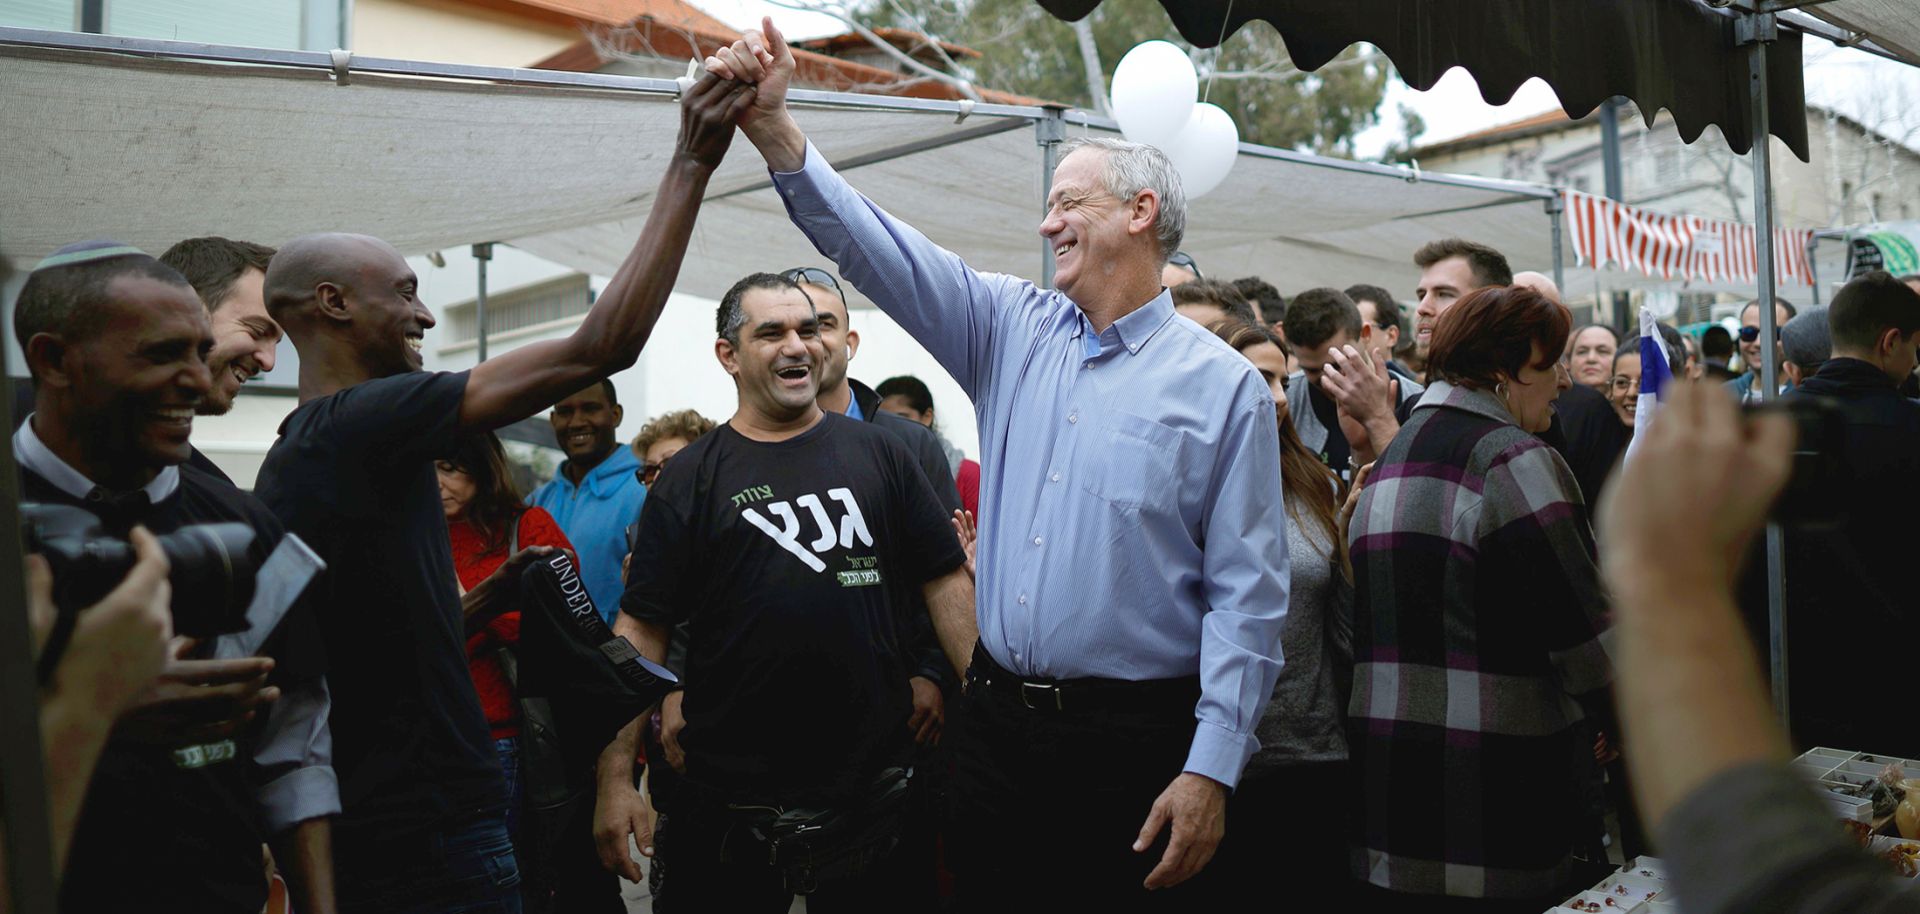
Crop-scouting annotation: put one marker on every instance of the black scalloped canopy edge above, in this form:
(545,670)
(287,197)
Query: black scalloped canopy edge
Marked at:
(1662,54)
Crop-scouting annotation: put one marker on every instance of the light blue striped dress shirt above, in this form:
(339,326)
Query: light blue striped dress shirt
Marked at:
(1132,525)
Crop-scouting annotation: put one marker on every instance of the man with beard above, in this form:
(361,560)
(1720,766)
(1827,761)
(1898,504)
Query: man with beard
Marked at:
(795,545)
(423,826)
(597,491)
(227,275)
(219,755)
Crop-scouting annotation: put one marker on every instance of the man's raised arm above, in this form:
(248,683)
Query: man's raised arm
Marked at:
(944,304)
(526,380)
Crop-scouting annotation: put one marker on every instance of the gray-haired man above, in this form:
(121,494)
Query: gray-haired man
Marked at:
(1132,556)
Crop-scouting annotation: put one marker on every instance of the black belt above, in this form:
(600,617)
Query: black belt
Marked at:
(1038,693)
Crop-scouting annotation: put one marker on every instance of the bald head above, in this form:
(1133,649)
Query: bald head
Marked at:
(337,259)
(350,302)
(1538,282)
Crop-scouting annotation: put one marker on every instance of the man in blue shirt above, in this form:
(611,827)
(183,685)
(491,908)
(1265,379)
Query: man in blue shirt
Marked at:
(597,491)
(1132,561)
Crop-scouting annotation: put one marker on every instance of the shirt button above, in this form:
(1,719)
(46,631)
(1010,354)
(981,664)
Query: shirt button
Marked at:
(1134,348)
(1056,477)
(1036,541)
(1023,599)
(1073,417)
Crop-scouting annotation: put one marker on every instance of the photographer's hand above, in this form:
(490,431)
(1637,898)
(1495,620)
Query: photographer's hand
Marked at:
(118,647)
(119,644)
(1673,528)
(198,701)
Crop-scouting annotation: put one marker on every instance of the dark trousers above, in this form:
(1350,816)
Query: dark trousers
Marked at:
(1286,827)
(1047,802)
(714,865)
(580,885)
(466,869)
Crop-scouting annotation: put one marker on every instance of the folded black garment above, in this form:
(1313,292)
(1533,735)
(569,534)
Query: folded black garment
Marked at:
(594,680)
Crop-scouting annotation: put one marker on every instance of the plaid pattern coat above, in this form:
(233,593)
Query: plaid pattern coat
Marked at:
(1477,623)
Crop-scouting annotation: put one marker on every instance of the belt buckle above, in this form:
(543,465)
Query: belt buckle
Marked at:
(1027,690)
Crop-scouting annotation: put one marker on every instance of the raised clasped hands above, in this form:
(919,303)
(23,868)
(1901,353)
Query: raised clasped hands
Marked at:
(708,112)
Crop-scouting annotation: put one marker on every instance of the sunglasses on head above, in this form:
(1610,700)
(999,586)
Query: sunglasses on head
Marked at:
(813,275)
(1185,260)
(1749,334)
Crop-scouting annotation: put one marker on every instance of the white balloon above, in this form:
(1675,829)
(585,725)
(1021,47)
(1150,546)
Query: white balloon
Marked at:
(1204,149)
(1154,89)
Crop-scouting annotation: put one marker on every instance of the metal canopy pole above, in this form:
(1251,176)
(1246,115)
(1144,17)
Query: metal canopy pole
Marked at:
(1756,30)
(481,254)
(1555,207)
(1048,132)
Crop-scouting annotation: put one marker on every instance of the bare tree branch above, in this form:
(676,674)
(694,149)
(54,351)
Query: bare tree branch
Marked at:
(1090,59)
(808,6)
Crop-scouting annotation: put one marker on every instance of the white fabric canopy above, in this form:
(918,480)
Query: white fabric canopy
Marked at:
(1891,24)
(152,150)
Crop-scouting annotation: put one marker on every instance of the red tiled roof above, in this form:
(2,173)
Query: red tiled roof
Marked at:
(1544,119)
(900,38)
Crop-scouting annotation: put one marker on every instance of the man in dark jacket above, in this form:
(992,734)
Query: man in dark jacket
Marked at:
(1848,585)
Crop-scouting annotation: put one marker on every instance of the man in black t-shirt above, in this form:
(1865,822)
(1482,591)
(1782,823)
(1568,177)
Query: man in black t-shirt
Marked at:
(218,756)
(792,542)
(423,826)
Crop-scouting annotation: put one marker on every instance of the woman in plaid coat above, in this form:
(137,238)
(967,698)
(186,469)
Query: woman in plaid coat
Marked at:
(1477,623)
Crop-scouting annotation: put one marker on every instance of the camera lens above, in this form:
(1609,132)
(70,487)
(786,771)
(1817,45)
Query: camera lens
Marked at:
(212,577)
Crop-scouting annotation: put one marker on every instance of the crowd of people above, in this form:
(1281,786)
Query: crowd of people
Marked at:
(1246,592)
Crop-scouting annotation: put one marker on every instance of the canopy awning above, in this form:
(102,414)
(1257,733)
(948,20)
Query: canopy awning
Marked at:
(1892,25)
(1672,54)
(151,149)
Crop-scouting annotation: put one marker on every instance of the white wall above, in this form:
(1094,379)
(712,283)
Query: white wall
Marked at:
(454,32)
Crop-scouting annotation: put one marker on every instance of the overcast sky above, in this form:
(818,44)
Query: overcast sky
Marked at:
(1879,92)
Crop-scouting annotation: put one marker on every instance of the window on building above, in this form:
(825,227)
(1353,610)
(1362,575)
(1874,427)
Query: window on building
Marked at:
(302,24)
(542,303)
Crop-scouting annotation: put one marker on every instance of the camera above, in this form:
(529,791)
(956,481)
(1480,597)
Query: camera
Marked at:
(1815,492)
(212,566)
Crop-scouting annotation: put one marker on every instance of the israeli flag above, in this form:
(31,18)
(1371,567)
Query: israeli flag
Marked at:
(1654,377)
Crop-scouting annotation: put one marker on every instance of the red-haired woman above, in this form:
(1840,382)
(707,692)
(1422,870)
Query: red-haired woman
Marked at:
(1477,619)
(485,521)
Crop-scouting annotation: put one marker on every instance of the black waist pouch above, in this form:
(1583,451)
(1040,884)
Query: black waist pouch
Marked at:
(594,681)
(814,846)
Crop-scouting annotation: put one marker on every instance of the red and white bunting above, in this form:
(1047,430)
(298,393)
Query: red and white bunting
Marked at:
(1688,248)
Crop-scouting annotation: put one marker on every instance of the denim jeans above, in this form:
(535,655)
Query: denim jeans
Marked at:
(508,749)
(468,869)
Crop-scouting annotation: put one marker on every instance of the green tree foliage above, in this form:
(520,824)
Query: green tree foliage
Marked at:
(1027,51)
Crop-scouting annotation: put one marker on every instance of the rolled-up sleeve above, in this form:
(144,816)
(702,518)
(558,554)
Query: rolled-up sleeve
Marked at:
(929,290)
(1246,576)
(295,758)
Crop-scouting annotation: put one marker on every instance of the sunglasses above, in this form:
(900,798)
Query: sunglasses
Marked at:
(648,472)
(1185,260)
(813,275)
(1749,334)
